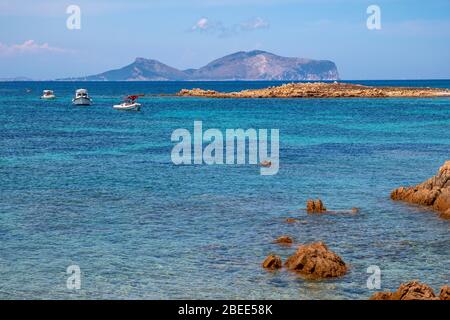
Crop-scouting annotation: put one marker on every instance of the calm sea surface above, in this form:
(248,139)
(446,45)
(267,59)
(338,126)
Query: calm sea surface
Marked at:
(95,187)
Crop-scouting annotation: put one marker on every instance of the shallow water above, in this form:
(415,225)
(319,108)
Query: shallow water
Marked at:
(96,187)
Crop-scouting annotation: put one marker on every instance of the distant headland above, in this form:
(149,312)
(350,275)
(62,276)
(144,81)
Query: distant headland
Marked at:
(251,65)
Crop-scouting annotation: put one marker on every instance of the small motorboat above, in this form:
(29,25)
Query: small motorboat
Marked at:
(82,98)
(130,103)
(48,94)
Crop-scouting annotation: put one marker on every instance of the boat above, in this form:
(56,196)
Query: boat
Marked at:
(82,98)
(48,94)
(130,103)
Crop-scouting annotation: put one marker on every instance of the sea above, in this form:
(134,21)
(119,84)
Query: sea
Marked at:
(93,189)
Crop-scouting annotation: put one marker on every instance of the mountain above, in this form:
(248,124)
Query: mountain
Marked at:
(252,65)
(261,65)
(140,70)
(16,79)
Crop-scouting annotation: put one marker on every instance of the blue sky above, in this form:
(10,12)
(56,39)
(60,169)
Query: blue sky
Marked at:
(413,43)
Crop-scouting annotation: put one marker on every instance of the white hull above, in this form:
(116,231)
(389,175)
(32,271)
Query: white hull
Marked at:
(128,106)
(48,97)
(82,101)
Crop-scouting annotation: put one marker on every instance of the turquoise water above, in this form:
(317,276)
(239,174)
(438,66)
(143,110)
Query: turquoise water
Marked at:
(96,187)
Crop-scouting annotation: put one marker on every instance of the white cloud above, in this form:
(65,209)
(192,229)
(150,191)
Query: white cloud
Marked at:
(28,47)
(217,28)
(202,24)
(256,23)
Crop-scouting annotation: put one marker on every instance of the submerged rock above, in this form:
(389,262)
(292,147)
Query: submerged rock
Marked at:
(315,206)
(272,262)
(435,192)
(316,260)
(284,240)
(291,220)
(412,290)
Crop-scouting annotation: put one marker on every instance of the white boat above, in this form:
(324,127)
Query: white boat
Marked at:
(48,94)
(129,104)
(82,98)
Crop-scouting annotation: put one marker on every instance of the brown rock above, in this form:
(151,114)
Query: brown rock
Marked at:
(284,240)
(445,293)
(412,290)
(382,296)
(435,192)
(291,220)
(316,260)
(315,206)
(442,202)
(446,214)
(272,262)
(265,163)
(355,210)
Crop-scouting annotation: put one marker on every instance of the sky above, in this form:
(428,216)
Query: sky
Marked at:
(412,43)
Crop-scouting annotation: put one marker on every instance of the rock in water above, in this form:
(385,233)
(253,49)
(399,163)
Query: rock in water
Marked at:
(265,163)
(284,240)
(445,293)
(316,260)
(272,262)
(412,290)
(435,192)
(315,206)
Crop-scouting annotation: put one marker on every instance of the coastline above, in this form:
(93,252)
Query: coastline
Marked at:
(321,90)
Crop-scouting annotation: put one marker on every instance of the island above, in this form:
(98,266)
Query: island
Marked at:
(320,90)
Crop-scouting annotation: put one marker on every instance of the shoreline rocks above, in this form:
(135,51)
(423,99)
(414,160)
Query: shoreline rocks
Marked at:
(317,261)
(272,262)
(444,294)
(434,193)
(319,90)
(413,290)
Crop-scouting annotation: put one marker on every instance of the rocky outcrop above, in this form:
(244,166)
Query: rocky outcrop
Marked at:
(272,262)
(435,192)
(315,206)
(445,293)
(286,240)
(320,90)
(412,290)
(317,261)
